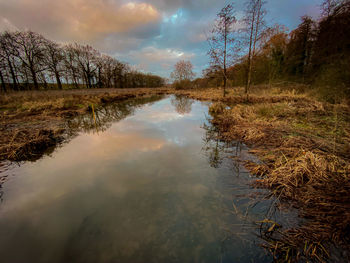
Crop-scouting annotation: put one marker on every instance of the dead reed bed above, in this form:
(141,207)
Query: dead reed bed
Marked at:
(32,121)
(303,145)
(304,148)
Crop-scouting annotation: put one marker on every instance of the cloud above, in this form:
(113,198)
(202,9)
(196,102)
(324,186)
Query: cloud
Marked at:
(85,20)
(5,24)
(161,55)
(150,34)
(155,60)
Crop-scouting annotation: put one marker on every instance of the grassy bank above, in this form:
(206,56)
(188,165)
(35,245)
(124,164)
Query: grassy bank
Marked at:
(33,121)
(304,148)
(303,145)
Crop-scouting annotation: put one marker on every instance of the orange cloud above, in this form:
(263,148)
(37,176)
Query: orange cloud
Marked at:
(102,18)
(78,19)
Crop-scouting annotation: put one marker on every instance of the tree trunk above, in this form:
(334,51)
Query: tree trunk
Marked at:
(225,54)
(58,80)
(34,77)
(225,81)
(100,79)
(26,81)
(3,85)
(13,75)
(249,73)
(75,80)
(89,81)
(85,80)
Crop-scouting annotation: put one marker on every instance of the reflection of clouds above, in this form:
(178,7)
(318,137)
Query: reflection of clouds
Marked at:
(122,145)
(153,129)
(163,116)
(160,112)
(137,190)
(85,157)
(146,133)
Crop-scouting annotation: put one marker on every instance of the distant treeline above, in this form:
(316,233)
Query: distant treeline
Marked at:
(30,61)
(316,52)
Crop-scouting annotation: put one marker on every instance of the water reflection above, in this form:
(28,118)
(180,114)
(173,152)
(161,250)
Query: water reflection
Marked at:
(218,150)
(139,190)
(182,104)
(102,118)
(212,145)
(275,214)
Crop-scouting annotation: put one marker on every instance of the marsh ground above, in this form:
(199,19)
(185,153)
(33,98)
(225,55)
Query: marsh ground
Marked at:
(304,148)
(303,145)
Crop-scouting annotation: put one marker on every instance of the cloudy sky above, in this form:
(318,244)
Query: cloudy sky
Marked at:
(152,35)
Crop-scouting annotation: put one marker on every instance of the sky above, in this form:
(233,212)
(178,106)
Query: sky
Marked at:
(150,35)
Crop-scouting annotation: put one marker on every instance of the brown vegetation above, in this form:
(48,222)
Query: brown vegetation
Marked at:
(304,149)
(303,145)
(32,121)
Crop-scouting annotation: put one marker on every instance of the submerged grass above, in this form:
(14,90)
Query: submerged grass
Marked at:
(304,148)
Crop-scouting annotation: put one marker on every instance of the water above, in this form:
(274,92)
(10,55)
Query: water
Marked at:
(145,182)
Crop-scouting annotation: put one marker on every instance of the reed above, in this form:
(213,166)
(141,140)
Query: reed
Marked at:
(304,148)
(32,121)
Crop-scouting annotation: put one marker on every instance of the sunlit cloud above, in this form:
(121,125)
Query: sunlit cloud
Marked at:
(161,54)
(78,19)
(156,60)
(152,35)
(5,24)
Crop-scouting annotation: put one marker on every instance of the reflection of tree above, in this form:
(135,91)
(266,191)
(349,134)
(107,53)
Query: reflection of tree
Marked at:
(217,150)
(212,146)
(277,227)
(182,104)
(107,114)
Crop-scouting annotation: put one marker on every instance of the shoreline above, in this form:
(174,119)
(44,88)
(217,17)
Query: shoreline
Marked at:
(302,143)
(304,147)
(32,121)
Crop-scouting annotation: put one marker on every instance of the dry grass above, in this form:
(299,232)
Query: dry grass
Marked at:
(32,121)
(304,146)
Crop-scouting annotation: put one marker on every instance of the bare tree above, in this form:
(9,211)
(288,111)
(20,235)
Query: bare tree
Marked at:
(183,71)
(9,61)
(54,58)
(222,40)
(120,72)
(27,57)
(29,48)
(328,7)
(86,60)
(2,74)
(71,67)
(108,69)
(102,65)
(254,20)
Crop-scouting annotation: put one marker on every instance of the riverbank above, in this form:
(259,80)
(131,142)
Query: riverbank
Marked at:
(303,145)
(304,148)
(33,121)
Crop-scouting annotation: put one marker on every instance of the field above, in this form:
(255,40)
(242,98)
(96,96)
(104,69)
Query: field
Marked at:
(303,145)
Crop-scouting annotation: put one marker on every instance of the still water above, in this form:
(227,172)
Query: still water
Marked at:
(145,182)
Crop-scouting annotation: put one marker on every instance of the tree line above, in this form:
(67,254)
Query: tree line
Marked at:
(30,61)
(316,52)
